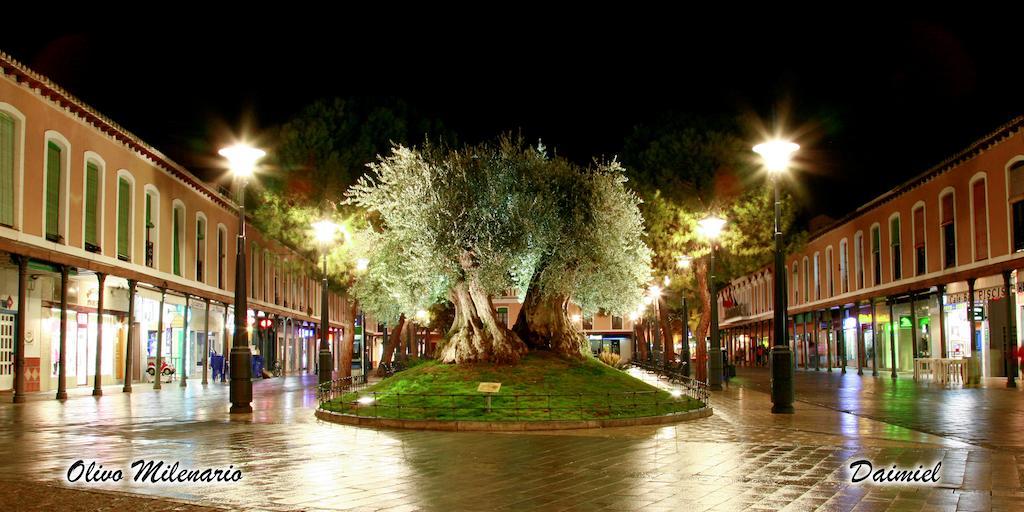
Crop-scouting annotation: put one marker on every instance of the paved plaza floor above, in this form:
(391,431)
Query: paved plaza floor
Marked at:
(741,458)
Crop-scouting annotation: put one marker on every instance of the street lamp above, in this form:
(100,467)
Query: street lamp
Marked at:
(242,161)
(684,263)
(325,232)
(776,155)
(710,227)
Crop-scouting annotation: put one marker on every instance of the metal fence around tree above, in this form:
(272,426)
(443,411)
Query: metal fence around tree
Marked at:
(348,396)
(693,388)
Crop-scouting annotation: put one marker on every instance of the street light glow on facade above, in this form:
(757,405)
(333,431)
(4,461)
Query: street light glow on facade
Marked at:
(242,159)
(776,154)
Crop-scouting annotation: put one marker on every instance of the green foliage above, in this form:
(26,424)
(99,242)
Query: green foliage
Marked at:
(322,151)
(503,216)
(586,387)
(687,167)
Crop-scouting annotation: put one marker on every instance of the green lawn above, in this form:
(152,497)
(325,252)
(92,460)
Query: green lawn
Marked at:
(541,387)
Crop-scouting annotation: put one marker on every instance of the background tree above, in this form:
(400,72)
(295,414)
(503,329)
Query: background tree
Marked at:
(686,167)
(586,247)
(321,152)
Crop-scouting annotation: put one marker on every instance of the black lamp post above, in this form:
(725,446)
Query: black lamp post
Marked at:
(776,155)
(325,231)
(242,160)
(710,227)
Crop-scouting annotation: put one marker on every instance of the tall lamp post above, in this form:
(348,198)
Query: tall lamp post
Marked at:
(242,162)
(710,227)
(776,155)
(325,232)
(684,353)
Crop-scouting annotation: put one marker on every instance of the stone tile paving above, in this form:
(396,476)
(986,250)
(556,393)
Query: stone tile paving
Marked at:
(742,458)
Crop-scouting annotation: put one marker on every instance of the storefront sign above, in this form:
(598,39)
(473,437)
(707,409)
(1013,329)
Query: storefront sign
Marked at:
(979,313)
(992,293)
(905,322)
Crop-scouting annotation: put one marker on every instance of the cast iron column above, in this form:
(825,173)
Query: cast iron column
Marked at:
(158,363)
(830,334)
(62,392)
(97,379)
(975,359)
(1011,332)
(19,351)
(782,357)
(861,359)
(206,343)
(184,360)
(240,364)
(686,338)
(841,339)
(941,296)
(893,325)
(874,339)
(715,356)
(129,353)
(326,363)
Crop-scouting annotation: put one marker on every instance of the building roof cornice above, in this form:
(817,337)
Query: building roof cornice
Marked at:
(44,87)
(979,146)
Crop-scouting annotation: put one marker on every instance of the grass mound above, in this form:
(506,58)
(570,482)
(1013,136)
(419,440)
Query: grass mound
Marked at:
(542,386)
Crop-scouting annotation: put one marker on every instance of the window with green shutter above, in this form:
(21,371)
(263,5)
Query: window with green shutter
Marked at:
(149,230)
(176,242)
(6,170)
(53,154)
(92,199)
(124,208)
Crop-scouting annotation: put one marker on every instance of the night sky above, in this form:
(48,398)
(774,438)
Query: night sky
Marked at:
(874,103)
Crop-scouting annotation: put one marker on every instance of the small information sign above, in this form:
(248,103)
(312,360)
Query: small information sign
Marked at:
(488,387)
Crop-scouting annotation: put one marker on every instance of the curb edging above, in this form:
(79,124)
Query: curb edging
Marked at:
(507,426)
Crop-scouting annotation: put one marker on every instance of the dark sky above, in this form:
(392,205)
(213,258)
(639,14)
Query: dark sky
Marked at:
(874,102)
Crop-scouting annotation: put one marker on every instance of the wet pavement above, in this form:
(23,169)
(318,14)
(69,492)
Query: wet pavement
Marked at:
(742,458)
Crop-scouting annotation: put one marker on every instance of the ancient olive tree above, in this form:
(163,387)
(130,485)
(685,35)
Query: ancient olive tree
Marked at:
(586,248)
(459,215)
(483,219)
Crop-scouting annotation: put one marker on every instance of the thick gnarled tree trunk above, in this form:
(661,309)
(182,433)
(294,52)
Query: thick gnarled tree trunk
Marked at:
(349,310)
(476,334)
(704,323)
(389,346)
(543,322)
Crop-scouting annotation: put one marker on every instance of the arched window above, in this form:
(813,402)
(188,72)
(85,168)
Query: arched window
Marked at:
(254,250)
(125,195)
(796,283)
(947,227)
(92,215)
(979,216)
(12,164)
(222,240)
(1015,176)
(177,237)
(152,219)
(844,265)
(895,243)
(920,245)
(200,247)
(876,254)
(829,277)
(55,187)
(817,276)
(858,259)
(807,277)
